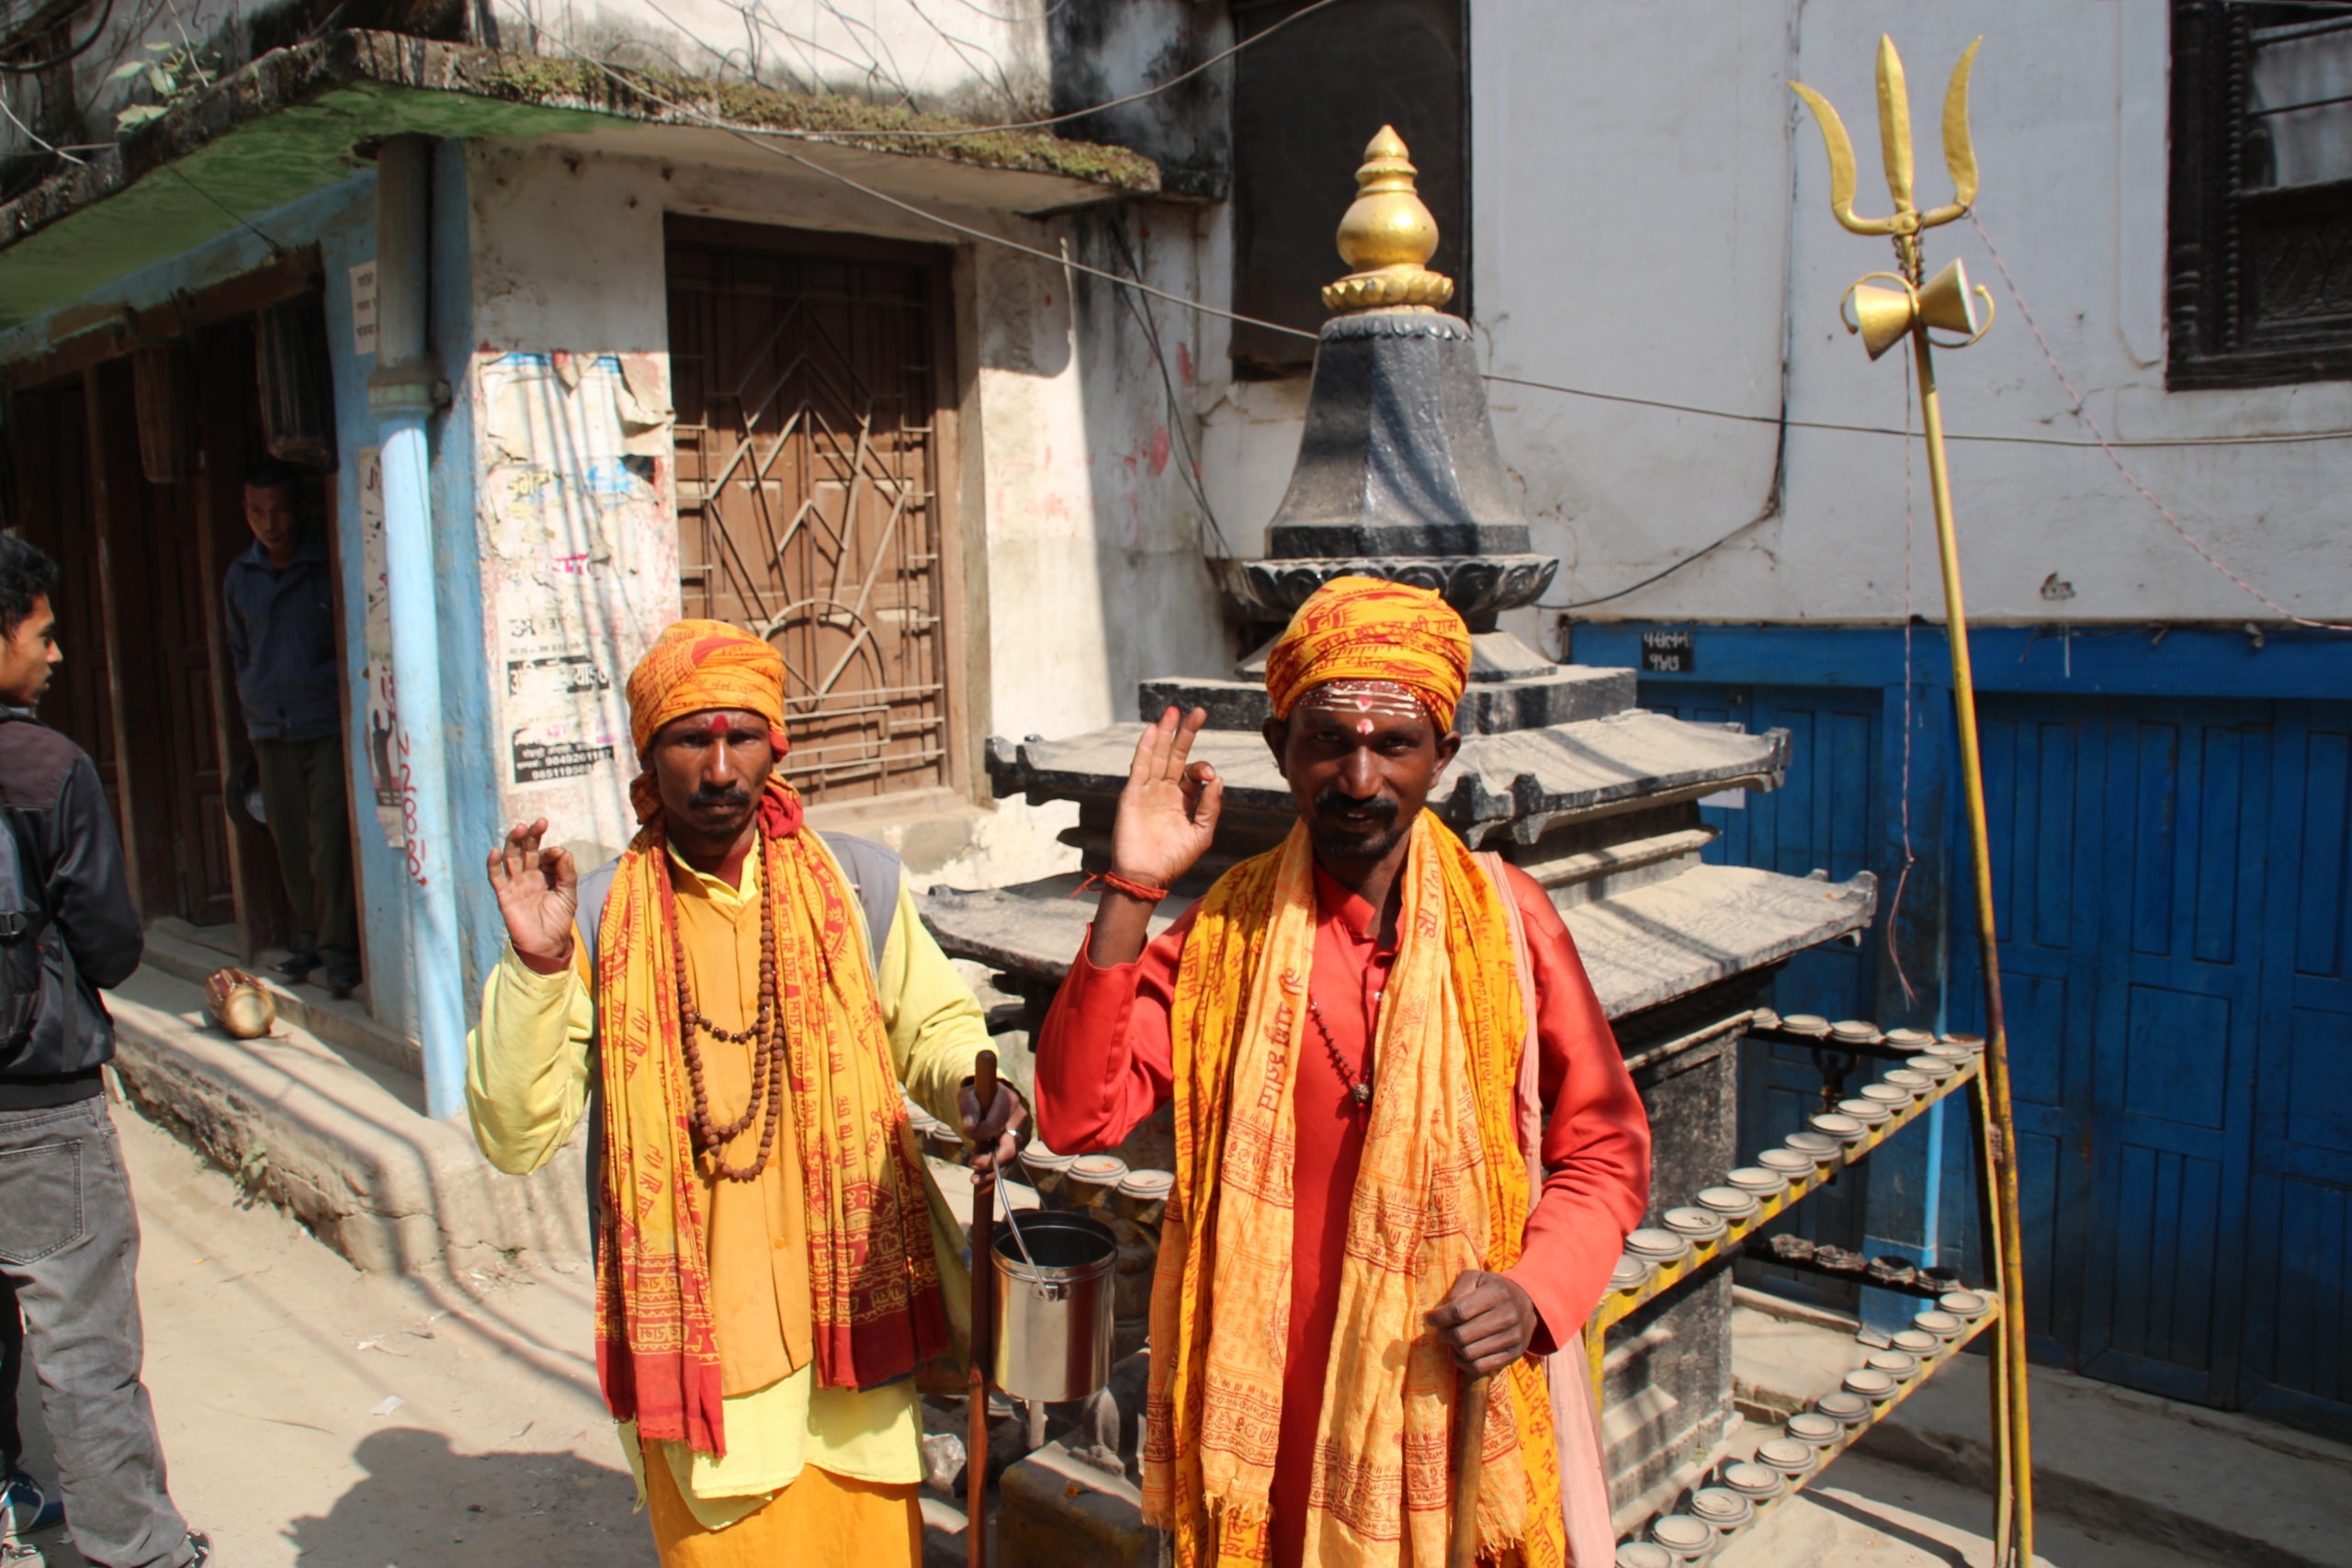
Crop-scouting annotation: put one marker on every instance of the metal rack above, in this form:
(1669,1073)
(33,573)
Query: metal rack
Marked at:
(1659,1277)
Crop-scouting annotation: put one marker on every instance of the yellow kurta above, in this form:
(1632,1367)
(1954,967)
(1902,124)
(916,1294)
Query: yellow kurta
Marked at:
(527,1079)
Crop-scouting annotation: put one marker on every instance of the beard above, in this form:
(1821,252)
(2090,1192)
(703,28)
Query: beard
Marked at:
(1335,843)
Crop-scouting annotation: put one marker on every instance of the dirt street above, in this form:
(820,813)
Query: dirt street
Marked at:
(314,1413)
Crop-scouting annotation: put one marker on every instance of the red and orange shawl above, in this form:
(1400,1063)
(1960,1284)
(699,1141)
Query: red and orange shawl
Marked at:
(878,1309)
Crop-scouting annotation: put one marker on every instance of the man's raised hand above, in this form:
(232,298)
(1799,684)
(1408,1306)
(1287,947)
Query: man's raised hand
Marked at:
(1168,810)
(539,894)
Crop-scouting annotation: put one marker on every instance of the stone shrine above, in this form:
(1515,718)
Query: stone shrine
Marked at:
(1399,477)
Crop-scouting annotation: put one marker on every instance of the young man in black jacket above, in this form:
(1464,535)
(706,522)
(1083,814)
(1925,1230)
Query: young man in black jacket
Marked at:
(69,1235)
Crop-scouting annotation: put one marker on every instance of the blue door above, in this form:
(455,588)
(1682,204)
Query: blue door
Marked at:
(2297,1359)
(1824,817)
(2172,887)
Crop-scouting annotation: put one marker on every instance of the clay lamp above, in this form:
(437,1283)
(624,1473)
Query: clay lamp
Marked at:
(1700,1226)
(1818,1147)
(1732,1202)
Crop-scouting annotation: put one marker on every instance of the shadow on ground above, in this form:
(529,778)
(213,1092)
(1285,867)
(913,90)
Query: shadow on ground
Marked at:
(424,1506)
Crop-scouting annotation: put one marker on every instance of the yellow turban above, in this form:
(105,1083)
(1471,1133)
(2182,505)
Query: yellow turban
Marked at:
(698,665)
(1361,629)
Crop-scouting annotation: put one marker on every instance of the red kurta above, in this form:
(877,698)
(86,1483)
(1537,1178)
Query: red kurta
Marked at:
(1104,1063)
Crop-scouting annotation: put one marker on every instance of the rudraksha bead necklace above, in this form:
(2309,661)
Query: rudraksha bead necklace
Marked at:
(765,1036)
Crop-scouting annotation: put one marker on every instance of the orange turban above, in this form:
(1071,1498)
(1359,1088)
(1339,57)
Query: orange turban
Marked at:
(1361,629)
(695,666)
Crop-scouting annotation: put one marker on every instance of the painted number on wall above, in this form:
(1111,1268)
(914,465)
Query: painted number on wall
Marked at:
(1669,653)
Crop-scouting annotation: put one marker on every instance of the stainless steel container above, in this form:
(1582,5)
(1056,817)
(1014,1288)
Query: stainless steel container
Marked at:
(1053,1313)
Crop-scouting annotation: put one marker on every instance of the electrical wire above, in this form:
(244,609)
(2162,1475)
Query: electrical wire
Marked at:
(73,53)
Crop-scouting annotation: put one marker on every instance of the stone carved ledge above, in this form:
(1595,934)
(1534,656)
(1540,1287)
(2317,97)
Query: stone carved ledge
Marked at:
(1480,587)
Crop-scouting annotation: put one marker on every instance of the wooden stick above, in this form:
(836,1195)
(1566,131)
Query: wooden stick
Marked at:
(1471,1395)
(976,1442)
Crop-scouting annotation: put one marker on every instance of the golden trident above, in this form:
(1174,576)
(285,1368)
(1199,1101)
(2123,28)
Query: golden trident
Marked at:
(1883,317)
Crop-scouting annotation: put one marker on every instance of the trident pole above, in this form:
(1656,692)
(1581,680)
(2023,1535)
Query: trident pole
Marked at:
(1883,317)
(2007,1244)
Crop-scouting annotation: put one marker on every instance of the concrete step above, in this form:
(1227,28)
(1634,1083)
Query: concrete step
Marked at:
(2215,1487)
(336,1138)
(179,949)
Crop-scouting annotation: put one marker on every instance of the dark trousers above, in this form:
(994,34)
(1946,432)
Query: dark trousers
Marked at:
(69,1263)
(301,791)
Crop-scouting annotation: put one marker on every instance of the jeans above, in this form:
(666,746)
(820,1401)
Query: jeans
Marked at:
(68,1259)
(301,789)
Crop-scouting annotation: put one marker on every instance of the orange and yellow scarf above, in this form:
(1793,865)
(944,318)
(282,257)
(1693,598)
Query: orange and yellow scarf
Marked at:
(877,1308)
(1443,1187)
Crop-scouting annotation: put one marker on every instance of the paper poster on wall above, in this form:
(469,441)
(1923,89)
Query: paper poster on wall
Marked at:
(376,675)
(581,565)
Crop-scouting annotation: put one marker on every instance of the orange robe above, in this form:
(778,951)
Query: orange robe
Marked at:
(759,1278)
(1103,1064)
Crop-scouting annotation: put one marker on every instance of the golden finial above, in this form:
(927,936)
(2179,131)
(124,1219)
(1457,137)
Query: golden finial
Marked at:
(1386,236)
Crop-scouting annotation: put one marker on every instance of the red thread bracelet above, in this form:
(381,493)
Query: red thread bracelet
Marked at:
(1118,884)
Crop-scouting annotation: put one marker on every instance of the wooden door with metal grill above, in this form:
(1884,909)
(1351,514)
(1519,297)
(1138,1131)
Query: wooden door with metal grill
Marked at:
(806,374)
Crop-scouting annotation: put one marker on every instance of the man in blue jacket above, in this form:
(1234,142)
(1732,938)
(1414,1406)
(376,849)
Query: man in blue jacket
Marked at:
(280,623)
(69,1234)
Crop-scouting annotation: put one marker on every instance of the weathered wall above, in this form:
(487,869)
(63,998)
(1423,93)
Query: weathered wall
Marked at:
(1089,574)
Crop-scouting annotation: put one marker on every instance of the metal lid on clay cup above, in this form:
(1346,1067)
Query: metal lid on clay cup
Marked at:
(1888,1092)
(1630,1273)
(1147,1186)
(1870,1384)
(1643,1554)
(1855,1031)
(1731,1203)
(1657,1246)
(1721,1508)
(1764,1018)
(1845,1408)
(1908,1039)
(1687,1538)
(1900,1365)
(1915,1342)
(1759,1180)
(1910,1080)
(1963,1303)
(1787,1455)
(1098,1170)
(1753,1482)
(1786,1163)
(1811,1427)
(1810,1025)
(1818,1147)
(1699,1225)
(1838,1125)
(1869,1113)
(1935,1067)
(1939,1325)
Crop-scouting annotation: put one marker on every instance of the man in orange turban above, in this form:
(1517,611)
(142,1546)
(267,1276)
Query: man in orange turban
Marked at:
(1408,1149)
(736,1003)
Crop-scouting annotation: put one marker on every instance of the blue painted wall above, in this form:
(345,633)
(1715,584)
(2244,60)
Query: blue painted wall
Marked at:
(2170,816)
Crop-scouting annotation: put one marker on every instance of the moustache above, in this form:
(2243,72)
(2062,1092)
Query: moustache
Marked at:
(731,795)
(1330,801)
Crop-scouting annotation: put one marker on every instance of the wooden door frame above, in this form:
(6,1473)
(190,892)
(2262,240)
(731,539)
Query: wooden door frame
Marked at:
(964,664)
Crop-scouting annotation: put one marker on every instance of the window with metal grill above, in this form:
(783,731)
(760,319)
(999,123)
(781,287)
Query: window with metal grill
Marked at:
(2261,244)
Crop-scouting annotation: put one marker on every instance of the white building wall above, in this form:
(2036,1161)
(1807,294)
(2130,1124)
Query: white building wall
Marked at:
(1653,221)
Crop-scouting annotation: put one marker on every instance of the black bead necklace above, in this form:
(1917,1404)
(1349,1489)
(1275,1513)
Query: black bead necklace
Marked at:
(1359,1089)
